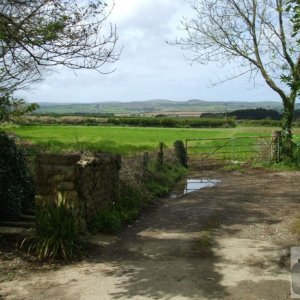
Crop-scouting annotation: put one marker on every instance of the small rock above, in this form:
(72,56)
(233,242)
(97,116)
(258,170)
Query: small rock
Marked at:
(210,279)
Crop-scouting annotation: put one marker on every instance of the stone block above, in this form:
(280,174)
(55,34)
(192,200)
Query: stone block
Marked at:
(68,172)
(56,178)
(42,199)
(58,159)
(42,173)
(43,190)
(66,186)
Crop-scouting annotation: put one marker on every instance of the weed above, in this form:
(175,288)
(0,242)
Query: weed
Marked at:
(107,221)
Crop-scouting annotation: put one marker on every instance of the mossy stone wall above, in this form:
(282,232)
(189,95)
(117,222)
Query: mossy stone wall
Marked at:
(90,183)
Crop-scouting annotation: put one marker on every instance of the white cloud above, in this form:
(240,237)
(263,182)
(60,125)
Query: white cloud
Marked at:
(124,9)
(148,68)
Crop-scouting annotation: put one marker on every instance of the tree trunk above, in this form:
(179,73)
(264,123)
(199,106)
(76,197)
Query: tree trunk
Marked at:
(287,145)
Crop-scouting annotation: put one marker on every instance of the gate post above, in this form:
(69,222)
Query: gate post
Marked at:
(160,156)
(145,164)
(275,145)
(234,148)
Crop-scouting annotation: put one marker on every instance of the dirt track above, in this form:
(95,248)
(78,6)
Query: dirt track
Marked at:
(227,242)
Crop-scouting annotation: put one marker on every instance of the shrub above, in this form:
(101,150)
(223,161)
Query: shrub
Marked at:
(58,232)
(16,184)
(292,160)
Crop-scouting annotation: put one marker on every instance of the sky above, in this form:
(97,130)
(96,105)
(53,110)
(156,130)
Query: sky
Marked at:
(148,68)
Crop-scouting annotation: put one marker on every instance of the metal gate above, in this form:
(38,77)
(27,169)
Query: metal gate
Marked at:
(229,150)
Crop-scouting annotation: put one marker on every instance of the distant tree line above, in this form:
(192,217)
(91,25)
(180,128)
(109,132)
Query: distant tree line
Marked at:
(127,121)
(251,114)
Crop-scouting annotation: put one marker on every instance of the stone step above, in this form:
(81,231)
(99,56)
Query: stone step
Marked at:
(17,224)
(13,233)
(29,218)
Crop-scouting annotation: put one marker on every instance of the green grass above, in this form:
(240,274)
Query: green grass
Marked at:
(122,140)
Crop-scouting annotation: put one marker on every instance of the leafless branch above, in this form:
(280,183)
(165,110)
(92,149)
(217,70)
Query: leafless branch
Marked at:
(38,34)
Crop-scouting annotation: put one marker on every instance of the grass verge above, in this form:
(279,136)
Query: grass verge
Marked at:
(133,200)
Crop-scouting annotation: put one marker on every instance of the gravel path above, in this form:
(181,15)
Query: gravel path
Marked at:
(230,241)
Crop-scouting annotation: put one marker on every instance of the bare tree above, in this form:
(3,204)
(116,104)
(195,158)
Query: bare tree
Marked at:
(38,34)
(255,34)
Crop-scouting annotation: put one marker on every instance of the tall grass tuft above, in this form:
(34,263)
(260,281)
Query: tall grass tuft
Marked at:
(58,233)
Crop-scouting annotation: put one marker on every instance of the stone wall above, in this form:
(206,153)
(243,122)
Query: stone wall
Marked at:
(135,169)
(90,183)
(97,182)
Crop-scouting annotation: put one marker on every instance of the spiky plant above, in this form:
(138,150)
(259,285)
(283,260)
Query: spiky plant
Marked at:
(58,232)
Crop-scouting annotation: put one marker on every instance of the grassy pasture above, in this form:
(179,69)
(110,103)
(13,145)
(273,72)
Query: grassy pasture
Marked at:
(122,140)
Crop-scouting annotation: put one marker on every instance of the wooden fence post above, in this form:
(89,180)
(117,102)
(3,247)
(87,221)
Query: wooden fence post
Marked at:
(160,156)
(145,165)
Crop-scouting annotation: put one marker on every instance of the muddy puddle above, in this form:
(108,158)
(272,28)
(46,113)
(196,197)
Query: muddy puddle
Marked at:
(191,185)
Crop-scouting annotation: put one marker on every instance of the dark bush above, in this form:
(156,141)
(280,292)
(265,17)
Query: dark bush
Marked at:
(16,184)
(247,114)
(181,153)
(255,114)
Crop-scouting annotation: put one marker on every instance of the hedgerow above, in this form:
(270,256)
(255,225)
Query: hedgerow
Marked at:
(172,122)
(16,184)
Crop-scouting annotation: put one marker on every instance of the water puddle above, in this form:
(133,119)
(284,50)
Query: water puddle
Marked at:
(192,185)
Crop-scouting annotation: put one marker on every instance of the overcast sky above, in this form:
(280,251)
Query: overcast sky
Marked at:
(149,68)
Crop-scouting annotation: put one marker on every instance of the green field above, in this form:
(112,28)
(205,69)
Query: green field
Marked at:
(122,140)
(138,107)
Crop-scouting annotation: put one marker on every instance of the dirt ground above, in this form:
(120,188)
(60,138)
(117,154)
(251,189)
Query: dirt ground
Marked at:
(231,241)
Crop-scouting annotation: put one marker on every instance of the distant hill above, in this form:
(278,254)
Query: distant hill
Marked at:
(154,106)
